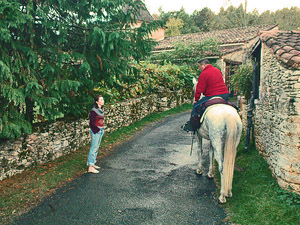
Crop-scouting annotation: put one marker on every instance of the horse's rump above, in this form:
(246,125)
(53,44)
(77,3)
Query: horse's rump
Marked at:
(216,117)
(201,110)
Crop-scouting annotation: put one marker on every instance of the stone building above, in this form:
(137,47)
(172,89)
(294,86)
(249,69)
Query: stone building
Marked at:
(277,104)
(233,43)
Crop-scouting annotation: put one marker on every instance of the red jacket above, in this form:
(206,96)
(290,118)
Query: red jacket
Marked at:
(96,122)
(210,83)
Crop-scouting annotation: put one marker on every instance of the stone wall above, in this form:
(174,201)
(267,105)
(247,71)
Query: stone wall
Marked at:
(277,120)
(51,141)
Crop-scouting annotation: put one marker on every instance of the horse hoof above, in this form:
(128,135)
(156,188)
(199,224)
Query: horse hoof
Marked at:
(222,199)
(229,195)
(210,175)
(199,172)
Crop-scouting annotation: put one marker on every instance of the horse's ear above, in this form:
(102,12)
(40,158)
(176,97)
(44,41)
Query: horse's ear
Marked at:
(194,81)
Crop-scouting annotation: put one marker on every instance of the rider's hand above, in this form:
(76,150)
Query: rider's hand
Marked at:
(194,101)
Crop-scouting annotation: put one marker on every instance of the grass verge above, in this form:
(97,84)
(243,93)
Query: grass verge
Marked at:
(23,191)
(257,198)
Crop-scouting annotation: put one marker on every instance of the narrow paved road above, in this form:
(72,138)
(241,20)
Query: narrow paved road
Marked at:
(148,180)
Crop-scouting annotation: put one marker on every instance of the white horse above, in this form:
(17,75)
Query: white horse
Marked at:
(222,126)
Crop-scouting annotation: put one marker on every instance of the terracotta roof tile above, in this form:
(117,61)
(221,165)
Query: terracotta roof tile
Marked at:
(227,36)
(284,60)
(266,37)
(296,59)
(290,43)
(271,42)
(276,47)
(285,45)
(287,48)
(287,56)
(280,52)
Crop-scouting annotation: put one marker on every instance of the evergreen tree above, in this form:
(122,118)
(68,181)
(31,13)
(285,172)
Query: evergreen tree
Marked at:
(189,23)
(54,53)
(203,19)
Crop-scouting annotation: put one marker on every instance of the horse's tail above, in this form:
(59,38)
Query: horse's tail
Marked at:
(229,153)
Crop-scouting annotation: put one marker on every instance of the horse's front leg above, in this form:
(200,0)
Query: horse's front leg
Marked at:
(200,153)
(211,162)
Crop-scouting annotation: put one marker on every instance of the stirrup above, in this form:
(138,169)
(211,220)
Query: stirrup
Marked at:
(188,127)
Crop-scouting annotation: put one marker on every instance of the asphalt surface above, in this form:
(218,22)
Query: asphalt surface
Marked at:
(149,180)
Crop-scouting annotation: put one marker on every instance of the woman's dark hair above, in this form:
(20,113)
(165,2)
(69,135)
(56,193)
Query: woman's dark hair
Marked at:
(96,100)
(203,61)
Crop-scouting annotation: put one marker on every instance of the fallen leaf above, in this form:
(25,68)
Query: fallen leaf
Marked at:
(33,190)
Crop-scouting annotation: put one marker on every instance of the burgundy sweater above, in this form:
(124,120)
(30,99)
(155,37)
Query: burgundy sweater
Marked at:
(210,83)
(96,122)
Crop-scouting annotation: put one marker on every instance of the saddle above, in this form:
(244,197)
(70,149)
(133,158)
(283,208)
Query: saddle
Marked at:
(200,110)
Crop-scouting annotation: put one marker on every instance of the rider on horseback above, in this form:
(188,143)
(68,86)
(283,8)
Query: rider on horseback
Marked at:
(210,84)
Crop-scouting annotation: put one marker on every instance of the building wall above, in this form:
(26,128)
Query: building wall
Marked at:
(51,141)
(236,56)
(156,35)
(277,120)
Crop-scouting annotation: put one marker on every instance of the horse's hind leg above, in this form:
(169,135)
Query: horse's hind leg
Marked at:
(200,153)
(211,162)
(217,146)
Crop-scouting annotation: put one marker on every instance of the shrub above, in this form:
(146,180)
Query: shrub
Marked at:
(147,78)
(241,80)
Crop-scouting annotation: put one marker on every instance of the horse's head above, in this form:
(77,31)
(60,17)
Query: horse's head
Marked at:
(194,84)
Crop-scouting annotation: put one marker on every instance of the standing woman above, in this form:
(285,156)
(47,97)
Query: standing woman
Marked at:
(97,131)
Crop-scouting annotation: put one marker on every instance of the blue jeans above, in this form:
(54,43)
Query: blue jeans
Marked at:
(95,143)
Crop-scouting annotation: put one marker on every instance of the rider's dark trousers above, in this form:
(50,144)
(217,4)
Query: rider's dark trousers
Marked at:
(205,99)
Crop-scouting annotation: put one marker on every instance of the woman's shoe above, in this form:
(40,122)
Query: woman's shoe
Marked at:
(96,167)
(92,170)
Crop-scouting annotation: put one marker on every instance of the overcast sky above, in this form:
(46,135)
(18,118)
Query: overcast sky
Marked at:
(215,5)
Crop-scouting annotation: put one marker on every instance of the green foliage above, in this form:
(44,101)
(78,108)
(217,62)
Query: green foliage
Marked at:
(232,17)
(151,78)
(288,197)
(188,53)
(174,26)
(53,53)
(287,19)
(181,15)
(241,80)
(203,19)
